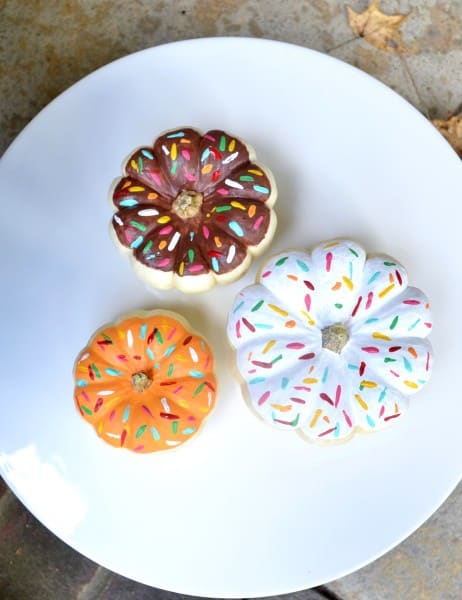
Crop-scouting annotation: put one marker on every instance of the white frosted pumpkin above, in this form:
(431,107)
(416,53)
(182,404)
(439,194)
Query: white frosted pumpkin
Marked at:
(331,341)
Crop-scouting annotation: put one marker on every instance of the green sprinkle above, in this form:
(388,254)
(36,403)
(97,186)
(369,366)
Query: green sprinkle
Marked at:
(107,338)
(258,305)
(159,337)
(246,178)
(140,165)
(275,360)
(387,263)
(394,322)
(222,146)
(191,255)
(140,431)
(353,251)
(199,389)
(389,360)
(174,167)
(174,427)
(281,261)
(148,247)
(139,226)
(96,370)
(338,305)
(220,209)
(86,410)
(170,370)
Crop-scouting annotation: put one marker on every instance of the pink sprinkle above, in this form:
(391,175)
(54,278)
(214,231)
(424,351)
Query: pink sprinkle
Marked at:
(207,362)
(195,268)
(429,325)
(166,230)
(298,400)
(205,231)
(238,329)
(382,410)
(427,364)
(258,222)
(347,419)
(139,448)
(264,397)
(328,261)
(163,263)
(171,334)
(252,371)
(190,176)
(112,415)
(85,395)
(155,177)
(370,296)
(295,346)
(209,137)
(338,393)
(412,302)
(266,274)
(222,192)
(370,349)
(302,387)
(186,154)
(129,235)
(178,389)
(191,418)
(394,373)
(355,309)
(147,411)
(308,302)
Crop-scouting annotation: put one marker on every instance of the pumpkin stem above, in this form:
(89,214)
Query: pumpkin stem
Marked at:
(187,204)
(141,381)
(334,337)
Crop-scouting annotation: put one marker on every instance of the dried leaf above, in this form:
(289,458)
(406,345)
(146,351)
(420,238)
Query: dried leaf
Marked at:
(379,29)
(451,129)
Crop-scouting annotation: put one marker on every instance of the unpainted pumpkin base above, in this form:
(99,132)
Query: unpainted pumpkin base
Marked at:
(141,381)
(334,337)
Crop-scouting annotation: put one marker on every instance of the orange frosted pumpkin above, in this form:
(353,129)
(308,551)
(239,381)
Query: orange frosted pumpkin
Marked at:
(146,382)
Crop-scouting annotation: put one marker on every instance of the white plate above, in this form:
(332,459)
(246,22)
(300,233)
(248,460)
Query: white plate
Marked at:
(244,510)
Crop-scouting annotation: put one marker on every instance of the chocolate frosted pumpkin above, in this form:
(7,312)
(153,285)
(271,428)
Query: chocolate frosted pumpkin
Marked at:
(192,210)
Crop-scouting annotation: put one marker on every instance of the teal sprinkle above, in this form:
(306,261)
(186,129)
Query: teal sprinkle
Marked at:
(257,380)
(303,266)
(234,226)
(113,372)
(155,434)
(126,414)
(337,430)
(370,420)
(147,154)
(174,167)
(281,261)
(205,155)
(407,364)
(140,165)
(191,236)
(261,189)
(422,381)
(128,202)
(175,135)
(257,306)
(137,243)
(143,331)
(170,370)
(140,431)
(295,421)
(374,277)
(371,320)
(150,353)
(263,326)
(353,252)
(284,383)
(353,367)
(215,265)
(275,360)
(150,256)
(138,226)
(157,366)
(411,327)
(325,375)
(197,374)
(351,270)
(82,382)
(383,393)
(246,178)
(394,322)
(238,306)
(188,431)
(170,350)
(387,263)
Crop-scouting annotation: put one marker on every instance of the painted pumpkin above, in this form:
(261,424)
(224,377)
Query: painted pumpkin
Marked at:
(330,341)
(146,382)
(192,210)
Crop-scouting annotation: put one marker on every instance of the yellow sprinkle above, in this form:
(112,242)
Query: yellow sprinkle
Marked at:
(361,402)
(173,152)
(136,188)
(268,346)
(411,384)
(278,310)
(217,242)
(232,145)
(181,358)
(206,169)
(310,380)
(82,368)
(316,416)
(100,427)
(281,407)
(381,336)
(181,268)
(348,282)
(164,219)
(162,245)
(331,245)
(311,321)
(121,334)
(255,172)
(134,165)
(368,384)
(237,205)
(183,404)
(252,210)
(204,409)
(385,291)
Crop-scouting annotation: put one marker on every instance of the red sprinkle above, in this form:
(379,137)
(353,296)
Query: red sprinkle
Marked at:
(169,416)
(326,398)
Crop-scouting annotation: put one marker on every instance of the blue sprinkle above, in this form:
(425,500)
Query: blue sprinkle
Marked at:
(155,434)
(303,266)
(238,306)
(136,243)
(205,155)
(371,320)
(370,420)
(191,235)
(374,277)
(407,364)
(284,383)
(82,382)
(215,265)
(147,154)
(170,350)
(113,372)
(411,327)
(353,367)
(175,135)
(325,375)
(129,202)
(337,430)
(143,330)
(150,256)
(260,188)
(197,374)
(257,380)
(236,228)
(263,325)
(150,353)
(126,414)
(188,431)
(383,393)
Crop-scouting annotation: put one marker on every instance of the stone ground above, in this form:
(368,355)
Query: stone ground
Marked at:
(45,47)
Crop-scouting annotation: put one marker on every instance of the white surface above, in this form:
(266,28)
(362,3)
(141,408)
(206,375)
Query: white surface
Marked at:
(244,510)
